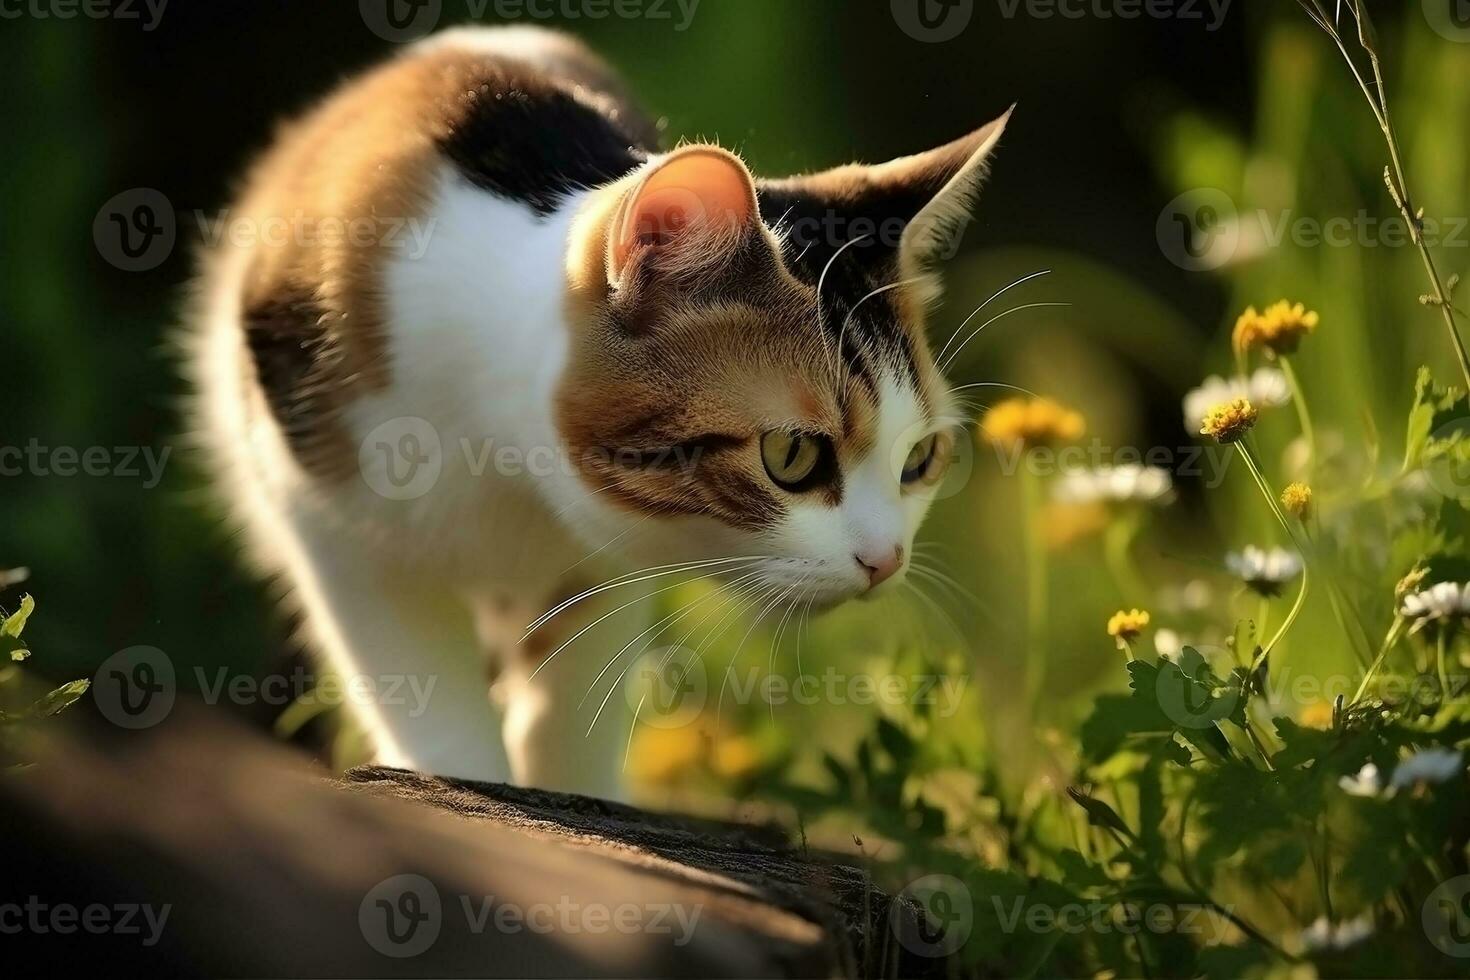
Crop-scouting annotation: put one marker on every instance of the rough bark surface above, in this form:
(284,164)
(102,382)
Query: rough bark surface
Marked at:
(269,867)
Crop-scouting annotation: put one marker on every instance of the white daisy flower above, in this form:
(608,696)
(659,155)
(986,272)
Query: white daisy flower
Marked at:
(1266,388)
(1367,782)
(1324,934)
(1264,571)
(1444,602)
(1433,765)
(1167,643)
(1119,484)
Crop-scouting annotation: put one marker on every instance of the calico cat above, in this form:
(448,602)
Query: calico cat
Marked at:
(719,376)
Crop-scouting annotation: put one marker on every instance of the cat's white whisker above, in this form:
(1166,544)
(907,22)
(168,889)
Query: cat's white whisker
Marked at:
(936,609)
(976,332)
(604,617)
(673,618)
(821,281)
(943,579)
(632,578)
(779,593)
(693,603)
(610,542)
(781,631)
(801,629)
(993,296)
(732,605)
(842,334)
(973,406)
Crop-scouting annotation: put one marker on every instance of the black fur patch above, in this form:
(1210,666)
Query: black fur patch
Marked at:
(296,360)
(870,221)
(521,135)
(818,225)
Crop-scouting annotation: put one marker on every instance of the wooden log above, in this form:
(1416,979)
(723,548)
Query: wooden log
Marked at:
(200,848)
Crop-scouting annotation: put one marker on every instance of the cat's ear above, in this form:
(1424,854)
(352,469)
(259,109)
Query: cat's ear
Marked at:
(934,232)
(685,214)
(913,209)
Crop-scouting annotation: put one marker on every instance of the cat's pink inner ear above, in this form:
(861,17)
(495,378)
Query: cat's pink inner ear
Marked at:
(694,202)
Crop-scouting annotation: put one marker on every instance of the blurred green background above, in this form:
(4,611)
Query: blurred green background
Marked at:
(1116,118)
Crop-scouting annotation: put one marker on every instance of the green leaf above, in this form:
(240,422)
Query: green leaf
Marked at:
(16,621)
(1099,814)
(1151,808)
(1283,858)
(895,741)
(60,699)
(865,759)
(836,770)
(1367,36)
(13,647)
(1233,961)
(1438,414)
(1080,875)
(1166,702)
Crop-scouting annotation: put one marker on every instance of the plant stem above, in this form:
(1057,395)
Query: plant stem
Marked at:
(1324,874)
(1357,637)
(1118,553)
(1439,650)
(1255,740)
(1405,202)
(1248,456)
(1036,577)
(1388,642)
(1398,185)
(1304,417)
(1199,894)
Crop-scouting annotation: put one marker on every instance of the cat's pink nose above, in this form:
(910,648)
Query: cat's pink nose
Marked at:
(880,565)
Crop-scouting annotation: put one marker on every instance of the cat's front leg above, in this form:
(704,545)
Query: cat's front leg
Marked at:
(561,689)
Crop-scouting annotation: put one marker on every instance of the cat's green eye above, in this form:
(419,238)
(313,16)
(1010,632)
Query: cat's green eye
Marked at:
(794,461)
(919,458)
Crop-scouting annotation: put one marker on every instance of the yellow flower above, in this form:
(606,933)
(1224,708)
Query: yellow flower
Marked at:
(1065,524)
(1125,626)
(1279,330)
(1031,422)
(1317,715)
(664,756)
(1410,582)
(1297,499)
(736,758)
(1230,421)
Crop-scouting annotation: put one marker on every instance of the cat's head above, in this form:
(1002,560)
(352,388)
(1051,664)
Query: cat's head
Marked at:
(749,374)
